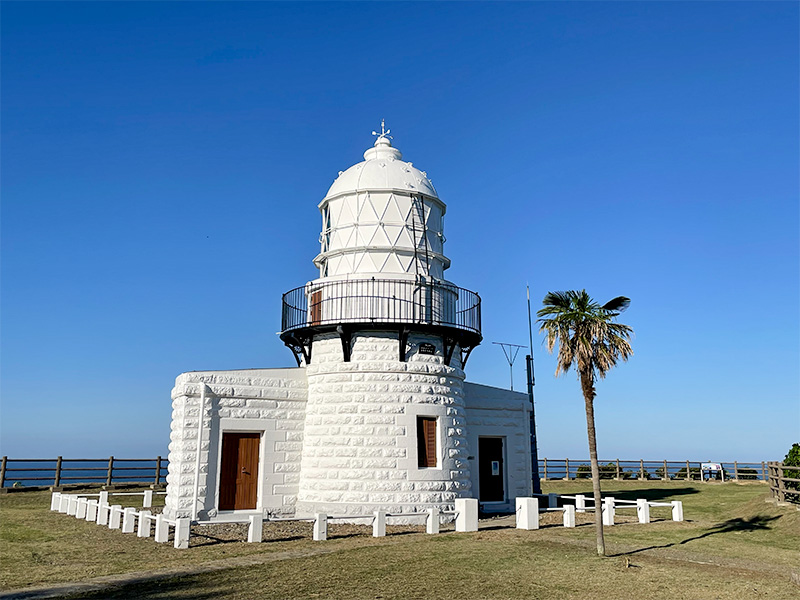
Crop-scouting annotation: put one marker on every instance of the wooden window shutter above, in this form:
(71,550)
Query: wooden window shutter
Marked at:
(426,441)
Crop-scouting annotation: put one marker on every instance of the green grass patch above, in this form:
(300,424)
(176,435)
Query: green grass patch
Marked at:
(733,545)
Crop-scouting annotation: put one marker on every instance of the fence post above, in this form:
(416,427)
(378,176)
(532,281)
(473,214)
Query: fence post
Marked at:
(763,471)
(158,470)
(527,513)
(665,474)
(432,524)
(147,499)
(736,470)
(143,527)
(781,484)
(566,463)
(545,469)
(467,517)
(3,472)
(379,523)
(255,529)
(580,503)
(641,468)
(688,472)
(320,527)
(57,476)
(569,515)
(619,472)
(110,474)
(643,510)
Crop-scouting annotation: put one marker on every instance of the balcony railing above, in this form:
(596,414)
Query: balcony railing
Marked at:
(381,301)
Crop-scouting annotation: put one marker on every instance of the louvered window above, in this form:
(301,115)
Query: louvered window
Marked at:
(426,441)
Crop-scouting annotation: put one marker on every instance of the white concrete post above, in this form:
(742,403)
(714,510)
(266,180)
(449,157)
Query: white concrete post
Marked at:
(320,527)
(147,501)
(608,511)
(115,517)
(677,510)
(80,511)
(91,510)
(63,503)
(102,514)
(128,520)
(432,523)
(143,527)
(379,524)
(162,529)
(55,500)
(552,500)
(527,513)
(182,529)
(72,505)
(643,510)
(580,503)
(255,531)
(103,498)
(467,517)
(569,515)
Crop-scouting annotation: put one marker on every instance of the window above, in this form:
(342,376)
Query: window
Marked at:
(426,442)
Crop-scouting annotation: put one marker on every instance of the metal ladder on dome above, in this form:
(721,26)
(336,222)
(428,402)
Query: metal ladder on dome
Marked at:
(419,234)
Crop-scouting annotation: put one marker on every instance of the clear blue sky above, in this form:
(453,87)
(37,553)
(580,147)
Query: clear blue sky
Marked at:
(162,164)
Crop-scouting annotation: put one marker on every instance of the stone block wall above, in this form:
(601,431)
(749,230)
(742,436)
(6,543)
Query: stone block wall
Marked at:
(270,401)
(360,445)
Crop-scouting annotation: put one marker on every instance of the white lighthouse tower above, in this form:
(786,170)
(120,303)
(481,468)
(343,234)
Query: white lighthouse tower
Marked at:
(384,339)
(377,415)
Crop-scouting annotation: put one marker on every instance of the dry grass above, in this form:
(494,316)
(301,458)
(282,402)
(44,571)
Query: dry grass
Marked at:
(734,545)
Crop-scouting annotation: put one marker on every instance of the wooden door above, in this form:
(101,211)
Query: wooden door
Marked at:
(490,469)
(238,482)
(316,307)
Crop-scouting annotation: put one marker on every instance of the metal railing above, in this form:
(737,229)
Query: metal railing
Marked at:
(378,301)
(60,471)
(567,468)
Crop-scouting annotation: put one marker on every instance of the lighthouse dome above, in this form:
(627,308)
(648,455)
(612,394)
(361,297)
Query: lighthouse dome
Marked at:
(382,169)
(382,218)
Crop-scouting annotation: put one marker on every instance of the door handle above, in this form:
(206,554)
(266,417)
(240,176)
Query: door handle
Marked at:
(245,471)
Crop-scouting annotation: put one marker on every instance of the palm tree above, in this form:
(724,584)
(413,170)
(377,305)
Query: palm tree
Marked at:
(588,338)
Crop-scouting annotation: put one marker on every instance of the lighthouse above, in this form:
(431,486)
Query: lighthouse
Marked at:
(376,414)
(384,339)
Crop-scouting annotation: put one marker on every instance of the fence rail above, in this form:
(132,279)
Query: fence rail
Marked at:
(567,468)
(111,470)
(59,471)
(784,480)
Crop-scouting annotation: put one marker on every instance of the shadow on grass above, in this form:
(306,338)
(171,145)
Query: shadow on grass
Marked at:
(652,495)
(757,523)
(191,587)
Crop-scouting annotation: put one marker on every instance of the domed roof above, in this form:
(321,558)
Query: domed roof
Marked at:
(382,169)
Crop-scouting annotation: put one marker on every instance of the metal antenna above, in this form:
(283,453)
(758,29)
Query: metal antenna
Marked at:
(537,485)
(511,351)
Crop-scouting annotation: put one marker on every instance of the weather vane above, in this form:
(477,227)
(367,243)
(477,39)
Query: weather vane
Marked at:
(384,132)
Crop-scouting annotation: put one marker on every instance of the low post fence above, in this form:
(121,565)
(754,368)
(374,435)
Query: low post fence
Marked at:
(641,469)
(784,482)
(25,472)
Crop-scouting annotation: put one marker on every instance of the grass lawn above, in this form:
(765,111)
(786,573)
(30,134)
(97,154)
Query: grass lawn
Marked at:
(733,545)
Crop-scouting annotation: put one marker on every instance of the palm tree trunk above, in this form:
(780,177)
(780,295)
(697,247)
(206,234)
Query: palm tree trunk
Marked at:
(587,386)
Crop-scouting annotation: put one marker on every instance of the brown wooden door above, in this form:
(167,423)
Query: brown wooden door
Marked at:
(490,469)
(238,482)
(316,307)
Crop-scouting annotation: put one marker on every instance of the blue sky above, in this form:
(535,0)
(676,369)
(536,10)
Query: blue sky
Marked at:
(162,164)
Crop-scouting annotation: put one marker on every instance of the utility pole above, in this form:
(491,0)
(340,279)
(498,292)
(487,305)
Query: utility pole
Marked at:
(537,484)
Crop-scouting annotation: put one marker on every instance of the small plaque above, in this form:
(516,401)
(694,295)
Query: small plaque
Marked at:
(495,467)
(426,348)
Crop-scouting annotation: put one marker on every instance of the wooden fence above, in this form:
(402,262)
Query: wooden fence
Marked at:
(779,477)
(109,471)
(567,468)
(60,471)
